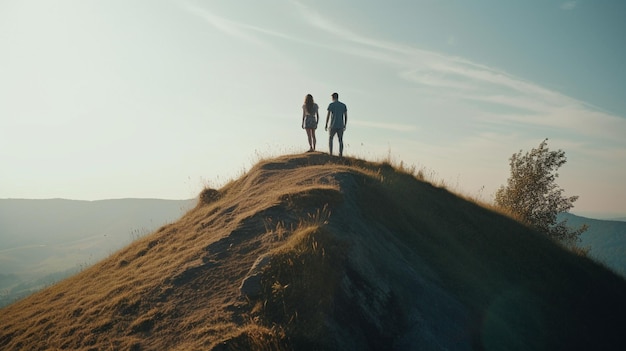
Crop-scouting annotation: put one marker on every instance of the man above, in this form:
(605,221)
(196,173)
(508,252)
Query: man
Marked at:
(338,115)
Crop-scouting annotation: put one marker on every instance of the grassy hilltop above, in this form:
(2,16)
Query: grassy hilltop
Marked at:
(310,252)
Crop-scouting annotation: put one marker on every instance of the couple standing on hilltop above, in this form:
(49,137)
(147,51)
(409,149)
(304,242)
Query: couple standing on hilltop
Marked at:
(337,114)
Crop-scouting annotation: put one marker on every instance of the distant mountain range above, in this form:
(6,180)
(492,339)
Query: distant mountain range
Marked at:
(606,238)
(44,241)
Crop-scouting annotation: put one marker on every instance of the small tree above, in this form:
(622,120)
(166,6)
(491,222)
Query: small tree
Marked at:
(532,195)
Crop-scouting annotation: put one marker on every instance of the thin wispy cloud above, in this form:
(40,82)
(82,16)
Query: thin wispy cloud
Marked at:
(224,25)
(455,77)
(452,40)
(320,22)
(569,5)
(382,125)
(234,28)
(463,79)
(434,79)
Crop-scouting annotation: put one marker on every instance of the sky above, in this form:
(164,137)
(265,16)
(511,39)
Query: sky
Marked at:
(160,98)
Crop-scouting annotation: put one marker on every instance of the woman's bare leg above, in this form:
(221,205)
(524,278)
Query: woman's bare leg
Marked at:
(309,134)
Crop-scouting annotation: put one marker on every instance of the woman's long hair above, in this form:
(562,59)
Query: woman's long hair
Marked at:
(309,104)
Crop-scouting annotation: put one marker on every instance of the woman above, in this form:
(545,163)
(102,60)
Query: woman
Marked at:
(310,117)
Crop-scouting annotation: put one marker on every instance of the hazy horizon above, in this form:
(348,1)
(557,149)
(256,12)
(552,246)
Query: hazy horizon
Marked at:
(156,99)
(591,215)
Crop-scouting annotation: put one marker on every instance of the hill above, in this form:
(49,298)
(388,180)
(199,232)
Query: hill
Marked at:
(607,240)
(43,241)
(310,252)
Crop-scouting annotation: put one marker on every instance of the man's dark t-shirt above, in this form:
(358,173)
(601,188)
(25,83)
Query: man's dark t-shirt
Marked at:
(337,109)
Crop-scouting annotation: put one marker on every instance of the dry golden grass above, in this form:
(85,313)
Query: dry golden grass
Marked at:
(357,250)
(160,281)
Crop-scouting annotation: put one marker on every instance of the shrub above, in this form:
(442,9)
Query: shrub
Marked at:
(532,195)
